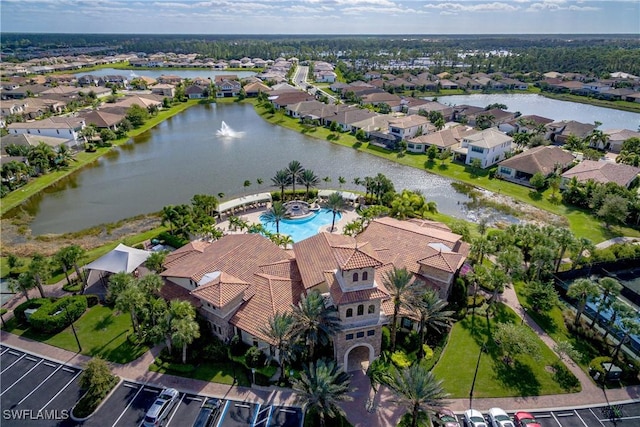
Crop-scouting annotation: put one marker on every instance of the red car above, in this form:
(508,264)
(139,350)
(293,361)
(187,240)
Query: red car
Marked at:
(525,419)
(446,418)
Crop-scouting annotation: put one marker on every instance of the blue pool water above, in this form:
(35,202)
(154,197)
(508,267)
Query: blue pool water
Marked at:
(300,229)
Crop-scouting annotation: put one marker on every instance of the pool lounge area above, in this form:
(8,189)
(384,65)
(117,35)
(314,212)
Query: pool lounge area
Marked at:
(305,227)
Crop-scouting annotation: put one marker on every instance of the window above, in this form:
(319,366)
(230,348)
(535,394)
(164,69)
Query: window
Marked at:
(360,309)
(360,334)
(407,323)
(349,337)
(371,332)
(365,275)
(477,149)
(505,171)
(410,146)
(355,277)
(371,309)
(349,312)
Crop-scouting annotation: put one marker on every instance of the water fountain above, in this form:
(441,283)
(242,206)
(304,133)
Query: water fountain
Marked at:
(226,132)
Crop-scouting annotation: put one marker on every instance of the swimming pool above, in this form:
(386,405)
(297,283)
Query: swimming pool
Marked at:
(300,229)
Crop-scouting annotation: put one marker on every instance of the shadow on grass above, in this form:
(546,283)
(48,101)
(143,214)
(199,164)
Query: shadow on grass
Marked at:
(518,377)
(547,323)
(124,353)
(535,195)
(443,167)
(565,378)
(104,322)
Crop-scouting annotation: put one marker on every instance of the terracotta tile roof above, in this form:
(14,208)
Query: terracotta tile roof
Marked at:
(542,159)
(220,291)
(447,261)
(271,295)
(340,297)
(429,223)
(603,172)
(314,256)
(230,255)
(171,291)
(351,257)
(191,248)
(445,138)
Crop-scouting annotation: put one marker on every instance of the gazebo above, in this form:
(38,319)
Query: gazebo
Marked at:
(121,259)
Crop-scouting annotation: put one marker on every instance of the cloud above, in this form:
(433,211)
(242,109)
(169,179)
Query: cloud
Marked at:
(472,7)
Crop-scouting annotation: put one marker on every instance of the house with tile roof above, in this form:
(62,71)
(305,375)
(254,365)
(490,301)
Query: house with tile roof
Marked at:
(449,138)
(489,145)
(543,159)
(558,132)
(242,280)
(602,172)
(616,137)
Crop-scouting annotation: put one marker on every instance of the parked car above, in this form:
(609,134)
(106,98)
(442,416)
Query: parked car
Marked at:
(525,419)
(473,418)
(161,408)
(446,418)
(499,418)
(208,412)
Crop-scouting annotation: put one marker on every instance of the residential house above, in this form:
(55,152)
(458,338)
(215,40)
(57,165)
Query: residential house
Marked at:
(445,139)
(30,140)
(380,97)
(283,99)
(409,126)
(169,80)
(616,137)
(164,89)
(102,119)
(347,117)
(196,91)
(227,86)
(57,127)
(558,132)
(242,280)
(489,146)
(525,124)
(544,160)
(602,172)
(252,90)
(494,117)
(425,108)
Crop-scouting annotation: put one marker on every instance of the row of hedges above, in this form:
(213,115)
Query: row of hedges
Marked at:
(52,314)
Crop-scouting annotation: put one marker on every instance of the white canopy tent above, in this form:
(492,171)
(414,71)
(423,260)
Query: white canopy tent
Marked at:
(122,259)
(346,195)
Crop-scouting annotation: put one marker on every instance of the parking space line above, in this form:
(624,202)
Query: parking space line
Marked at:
(224,413)
(41,382)
(53,365)
(17,360)
(596,417)
(196,399)
(175,409)
(130,385)
(61,390)
(554,417)
(64,368)
(31,358)
(15,353)
(576,412)
(24,375)
(255,417)
(5,349)
(128,405)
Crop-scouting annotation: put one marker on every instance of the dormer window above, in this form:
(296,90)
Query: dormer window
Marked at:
(355,277)
(365,276)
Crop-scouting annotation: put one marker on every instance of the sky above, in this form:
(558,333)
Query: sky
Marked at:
(321,16)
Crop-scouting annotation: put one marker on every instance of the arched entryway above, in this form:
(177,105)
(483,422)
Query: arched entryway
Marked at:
(358,357)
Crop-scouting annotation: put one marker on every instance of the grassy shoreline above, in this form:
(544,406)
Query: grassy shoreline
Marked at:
(24,193)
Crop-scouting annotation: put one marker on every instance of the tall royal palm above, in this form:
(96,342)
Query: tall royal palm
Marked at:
(418,390)
(335,203)
(281,180)
(295,171)
(314,323)
(610,289)
(320,389)
(276,213)
(402,288)
(309,180)
(433,315)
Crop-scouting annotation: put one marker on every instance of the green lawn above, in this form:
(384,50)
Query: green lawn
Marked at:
(525,377)
(222,373)
(101,332)
(553,324)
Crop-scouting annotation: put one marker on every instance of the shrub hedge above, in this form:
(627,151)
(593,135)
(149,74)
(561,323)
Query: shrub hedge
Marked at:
(18,312)
(59,314)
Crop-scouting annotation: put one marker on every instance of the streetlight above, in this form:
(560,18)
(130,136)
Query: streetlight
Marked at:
(475,374)
(253,371)
(524,315)
(69,319)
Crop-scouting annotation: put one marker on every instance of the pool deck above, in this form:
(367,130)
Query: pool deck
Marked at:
(252,216)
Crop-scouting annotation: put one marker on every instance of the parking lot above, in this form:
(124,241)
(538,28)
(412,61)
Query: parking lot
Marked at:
(628,416)
(39,392)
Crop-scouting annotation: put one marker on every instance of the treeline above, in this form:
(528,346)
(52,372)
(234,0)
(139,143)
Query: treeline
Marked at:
(589,54)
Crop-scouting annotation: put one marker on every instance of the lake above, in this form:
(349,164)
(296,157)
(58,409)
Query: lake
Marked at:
(185,74)
(551,108)
(183,156)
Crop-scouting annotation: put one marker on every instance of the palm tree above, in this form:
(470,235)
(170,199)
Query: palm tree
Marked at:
(582,290)
(402,288)
(309,179)
(610,290)
(185,331)
(418,390)
(619,309)
(335,203)
(68,258)
(274,215)
(279,333)
(320,389)
(40,271)
(314,323)
(480,247)
(294,169)
(246,184)
(565,240)
(23,283)
(150,283)
(433,315)
(169,216)
(130,299)
(378,373)
(630,326)
(583,245)
(281,180)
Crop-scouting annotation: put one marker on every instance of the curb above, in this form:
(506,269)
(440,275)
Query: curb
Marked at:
(104,400)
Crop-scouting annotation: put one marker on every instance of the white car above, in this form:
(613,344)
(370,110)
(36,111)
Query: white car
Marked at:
(160,409)
(473,418)
(499,418)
